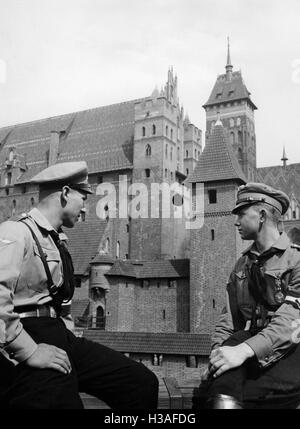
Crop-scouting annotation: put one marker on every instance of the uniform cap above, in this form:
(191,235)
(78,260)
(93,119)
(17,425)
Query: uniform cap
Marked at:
(253,193)
(73,174)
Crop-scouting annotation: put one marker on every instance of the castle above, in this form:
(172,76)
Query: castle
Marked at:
(151,287)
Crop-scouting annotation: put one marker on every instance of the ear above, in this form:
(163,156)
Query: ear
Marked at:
(262,215)
(65,193)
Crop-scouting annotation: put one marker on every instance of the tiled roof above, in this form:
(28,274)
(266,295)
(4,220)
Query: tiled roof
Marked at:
(162,268)
(145,342)
(84,241)
(217,161)
(103,137)
(286,178)
(102,258)
(229,90)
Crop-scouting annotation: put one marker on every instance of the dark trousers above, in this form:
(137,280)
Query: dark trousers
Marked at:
(96,370)
(277,386)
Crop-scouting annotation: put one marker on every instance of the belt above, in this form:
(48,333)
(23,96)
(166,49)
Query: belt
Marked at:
(36,311)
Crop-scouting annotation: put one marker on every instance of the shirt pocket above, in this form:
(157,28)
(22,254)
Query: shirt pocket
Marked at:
(39,279)
(277,280)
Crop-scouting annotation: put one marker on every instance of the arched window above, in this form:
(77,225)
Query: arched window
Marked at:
(172,176)
(148,150)
(178,154)
(118,250)
(171,153)
(171,133)
(153,129)
(186,153)
(143,131)
(100,318)
(107,246)
(14,203)
(166,172)
(240,154)
(167,130)
(231,122)
(238,122)
(166,151)
(195,153)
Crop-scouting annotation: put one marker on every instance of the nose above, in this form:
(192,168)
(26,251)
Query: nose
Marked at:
(237,222)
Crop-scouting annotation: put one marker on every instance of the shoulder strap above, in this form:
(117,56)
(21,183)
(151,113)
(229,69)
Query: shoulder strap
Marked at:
(53,289)
(295,246)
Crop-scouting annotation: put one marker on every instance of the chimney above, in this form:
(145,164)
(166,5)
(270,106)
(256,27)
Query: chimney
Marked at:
(54,146)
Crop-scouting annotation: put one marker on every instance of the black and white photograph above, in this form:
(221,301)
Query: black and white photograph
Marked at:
(149,207)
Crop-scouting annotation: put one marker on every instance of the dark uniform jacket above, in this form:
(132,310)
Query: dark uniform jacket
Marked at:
(277,328)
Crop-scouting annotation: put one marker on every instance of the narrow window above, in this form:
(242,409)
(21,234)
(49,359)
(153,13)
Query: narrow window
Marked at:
(171,133)
(143,131)
(164,314)
(187,171)
(167,130)
(153,129)
(166,151)
(186,153)
(32,202)
(147,172)
(166,172)
(148,150)
(214,303)
(171,153)
(212,234)
(212,195)
(118,250)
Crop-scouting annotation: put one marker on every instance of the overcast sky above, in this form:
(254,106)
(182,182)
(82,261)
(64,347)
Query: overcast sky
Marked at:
(62,56)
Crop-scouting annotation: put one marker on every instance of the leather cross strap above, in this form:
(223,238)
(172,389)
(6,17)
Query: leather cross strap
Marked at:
(52,288)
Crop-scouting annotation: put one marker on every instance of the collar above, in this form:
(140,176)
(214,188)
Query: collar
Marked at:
(40,219)
(282,243)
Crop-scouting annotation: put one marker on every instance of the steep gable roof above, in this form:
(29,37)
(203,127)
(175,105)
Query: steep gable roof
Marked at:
(217,161)
(84,241)
(226,90)
(287,179)
(102,136)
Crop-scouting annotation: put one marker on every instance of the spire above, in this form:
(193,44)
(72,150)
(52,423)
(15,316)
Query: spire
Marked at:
(284,157)
(229,66)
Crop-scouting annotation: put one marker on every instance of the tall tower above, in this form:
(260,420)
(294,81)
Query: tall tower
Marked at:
(216,245)
(231,98)
(158,159)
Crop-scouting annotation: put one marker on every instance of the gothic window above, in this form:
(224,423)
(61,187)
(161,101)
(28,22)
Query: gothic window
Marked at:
(187,171)
(143,131)
(172,175)
(118,250)
(106,248)
(167,130)
(232,138)
(240,137)
(171,153)
(238,122)
(240,154)
(148,150)
(231,122)
(178,153)
(100,318)
(186,153)
(171,133)
(166,172)
(14,207)
(153,129)
(212,234)
(195,153)
(166,151)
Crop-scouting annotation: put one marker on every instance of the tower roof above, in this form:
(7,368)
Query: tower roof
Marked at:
(228,55)
(217,161)
(229,90)
(284,157)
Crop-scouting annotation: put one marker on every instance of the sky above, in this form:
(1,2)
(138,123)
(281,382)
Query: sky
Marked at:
(63,56)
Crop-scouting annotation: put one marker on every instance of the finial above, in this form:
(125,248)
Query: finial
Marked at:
(284,157)
(229,66)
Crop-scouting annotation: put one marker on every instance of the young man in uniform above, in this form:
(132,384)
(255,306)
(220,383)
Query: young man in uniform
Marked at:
(255,355)
(44,365)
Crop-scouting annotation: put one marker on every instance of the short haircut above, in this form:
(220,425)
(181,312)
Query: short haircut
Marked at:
(272,213)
